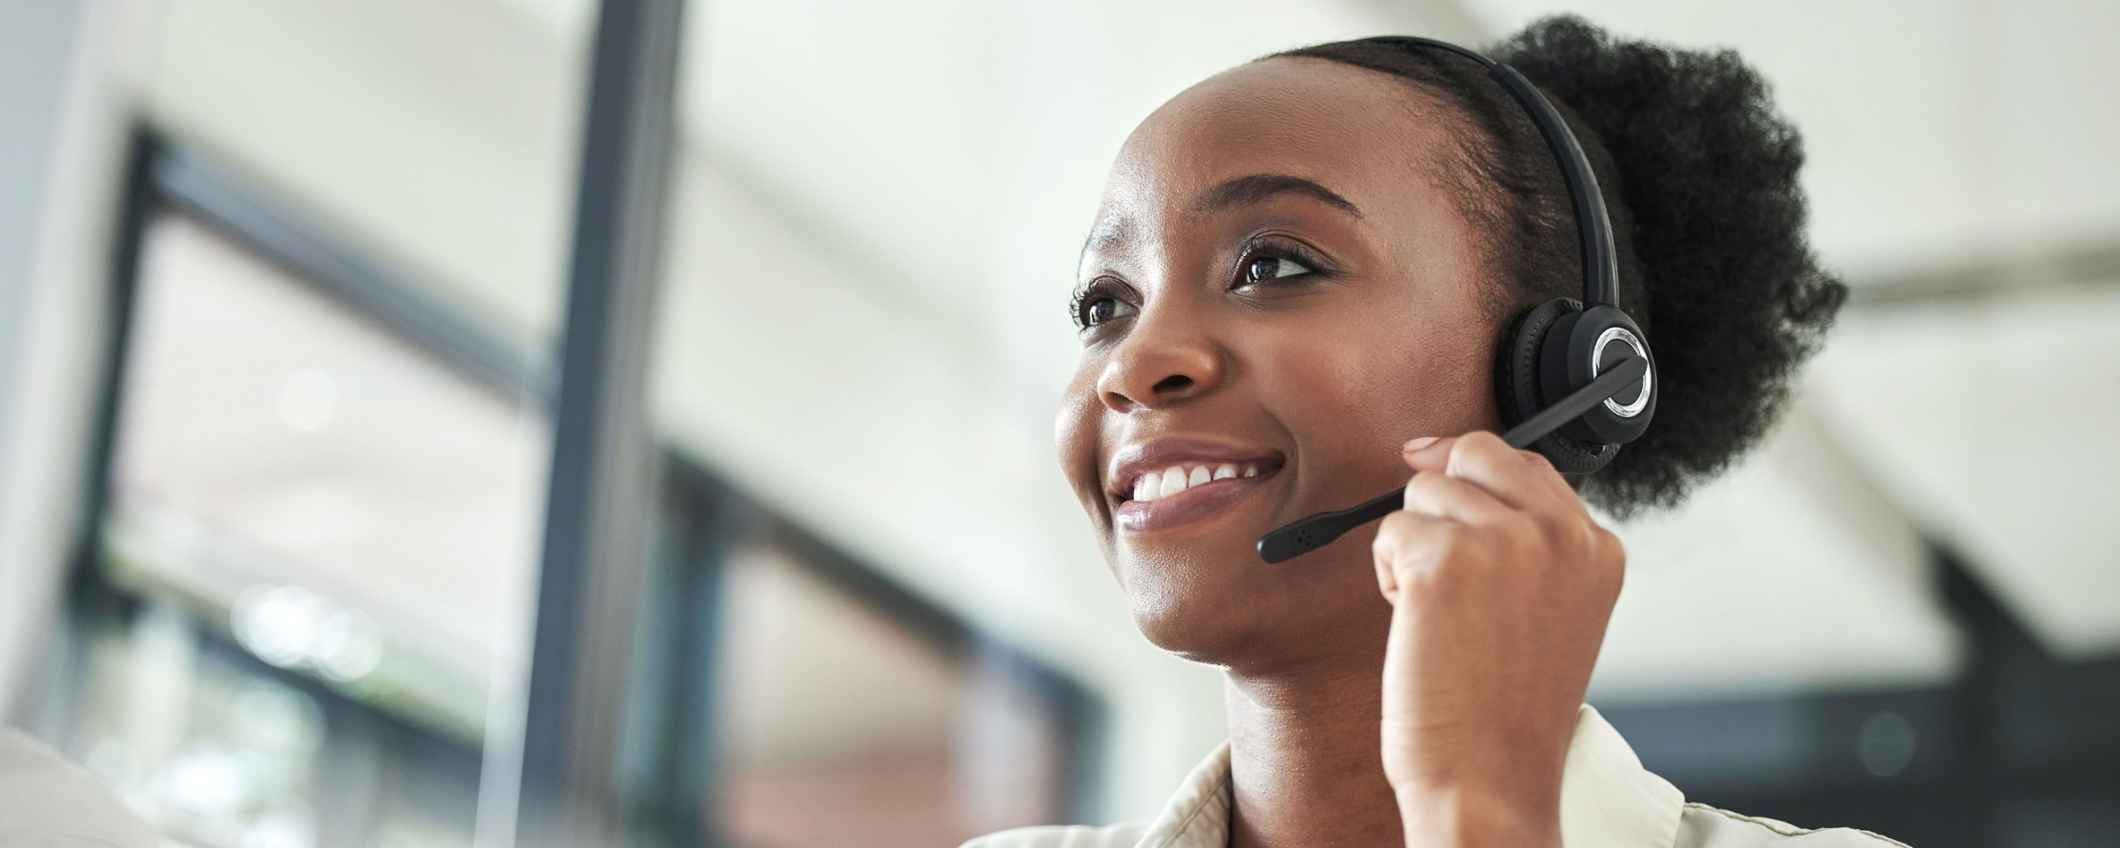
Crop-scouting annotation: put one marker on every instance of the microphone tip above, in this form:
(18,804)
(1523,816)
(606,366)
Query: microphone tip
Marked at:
(1280,545)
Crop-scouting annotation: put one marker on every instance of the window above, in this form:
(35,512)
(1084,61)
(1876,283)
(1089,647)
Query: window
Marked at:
(846,726)
(313,563)
(336,500)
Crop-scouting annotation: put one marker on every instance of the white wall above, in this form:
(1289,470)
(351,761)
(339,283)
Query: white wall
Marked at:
(33,72)
(57,193)
(32,77)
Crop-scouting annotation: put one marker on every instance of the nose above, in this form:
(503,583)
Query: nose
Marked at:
(1161,363)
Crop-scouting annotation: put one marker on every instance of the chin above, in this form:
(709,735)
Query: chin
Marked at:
(1190,603)
(1230,609)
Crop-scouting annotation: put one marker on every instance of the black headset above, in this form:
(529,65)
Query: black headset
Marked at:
(1574,379)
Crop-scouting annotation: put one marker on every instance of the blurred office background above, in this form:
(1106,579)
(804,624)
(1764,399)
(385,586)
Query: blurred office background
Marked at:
(283,295)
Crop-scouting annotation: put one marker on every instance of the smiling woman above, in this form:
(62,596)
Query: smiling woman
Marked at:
(1291,299)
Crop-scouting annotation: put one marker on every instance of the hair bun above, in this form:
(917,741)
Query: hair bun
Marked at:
(1736,300)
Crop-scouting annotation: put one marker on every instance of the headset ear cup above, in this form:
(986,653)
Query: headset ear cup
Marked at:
(1517,385)
(1574,360)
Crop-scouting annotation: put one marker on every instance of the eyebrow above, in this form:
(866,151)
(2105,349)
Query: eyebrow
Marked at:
(1107,233)
(1231,193)
(1256,188)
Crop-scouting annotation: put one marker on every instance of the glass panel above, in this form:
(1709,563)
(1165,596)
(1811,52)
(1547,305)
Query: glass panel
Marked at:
(312,491)
(827,695)
(216,752)
(209,754)
(351,507)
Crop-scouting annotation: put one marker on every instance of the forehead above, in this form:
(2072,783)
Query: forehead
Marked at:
(1366,135)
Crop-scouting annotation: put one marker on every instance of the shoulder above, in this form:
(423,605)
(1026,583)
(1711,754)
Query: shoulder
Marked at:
(1702,826)
(45,800)
(1609,799)
(1063,836)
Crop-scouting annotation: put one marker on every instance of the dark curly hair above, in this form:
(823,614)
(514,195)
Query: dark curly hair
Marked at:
(1699,175)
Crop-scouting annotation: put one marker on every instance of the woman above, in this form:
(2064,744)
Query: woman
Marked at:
(1292,299)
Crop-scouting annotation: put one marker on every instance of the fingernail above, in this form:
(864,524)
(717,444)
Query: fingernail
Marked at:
(1421,442)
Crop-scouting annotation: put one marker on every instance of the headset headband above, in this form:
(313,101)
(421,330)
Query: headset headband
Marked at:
(1593,227)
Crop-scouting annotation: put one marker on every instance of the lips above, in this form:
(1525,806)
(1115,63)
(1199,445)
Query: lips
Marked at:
(1176,481)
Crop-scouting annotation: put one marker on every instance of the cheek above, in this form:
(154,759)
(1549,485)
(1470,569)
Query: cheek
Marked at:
(1435,380)
(1350,403)
(1075,436)
(1379,384)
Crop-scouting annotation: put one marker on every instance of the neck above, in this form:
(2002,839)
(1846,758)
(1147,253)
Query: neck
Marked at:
(1305,768)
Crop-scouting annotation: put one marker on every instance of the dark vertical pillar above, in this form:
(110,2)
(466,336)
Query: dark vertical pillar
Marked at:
(552,780)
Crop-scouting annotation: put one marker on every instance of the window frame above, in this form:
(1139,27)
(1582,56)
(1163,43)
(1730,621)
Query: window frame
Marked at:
(670,691)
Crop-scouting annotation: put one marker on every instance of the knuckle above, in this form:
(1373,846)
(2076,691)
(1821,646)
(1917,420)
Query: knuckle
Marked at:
(1392,535)
(1612,556)
(1583,536)
(1607,542)
(1558,531)
(1428,560)
(1473,448)
(1475,556)
(1482,441)
(1384,547)
(1422,491)
(1459,547)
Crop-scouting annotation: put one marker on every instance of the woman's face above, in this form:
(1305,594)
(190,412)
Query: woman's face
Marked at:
(1278,288)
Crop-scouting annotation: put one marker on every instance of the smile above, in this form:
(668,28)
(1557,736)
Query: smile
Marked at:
(1180,500)
(1172,484)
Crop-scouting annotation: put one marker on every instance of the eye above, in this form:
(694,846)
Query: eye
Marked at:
(1098,309)
(1096,305)
(1268,267)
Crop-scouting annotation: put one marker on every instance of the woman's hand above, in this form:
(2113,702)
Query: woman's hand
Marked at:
(1501,586)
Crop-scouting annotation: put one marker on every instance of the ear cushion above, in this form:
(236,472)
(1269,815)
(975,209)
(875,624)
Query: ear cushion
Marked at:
(1517,381)
(1516,360)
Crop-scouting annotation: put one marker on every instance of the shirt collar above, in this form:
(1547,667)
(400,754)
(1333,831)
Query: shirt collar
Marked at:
(1607,798)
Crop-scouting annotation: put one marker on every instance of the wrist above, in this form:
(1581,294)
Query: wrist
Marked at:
(1464,817)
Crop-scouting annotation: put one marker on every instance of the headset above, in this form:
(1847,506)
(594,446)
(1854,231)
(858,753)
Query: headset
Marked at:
(1574,379)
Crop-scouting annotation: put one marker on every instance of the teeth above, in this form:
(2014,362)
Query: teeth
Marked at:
(1170,481)
(1173,482)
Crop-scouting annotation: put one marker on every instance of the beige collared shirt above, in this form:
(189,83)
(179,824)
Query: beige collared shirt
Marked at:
(1607,801)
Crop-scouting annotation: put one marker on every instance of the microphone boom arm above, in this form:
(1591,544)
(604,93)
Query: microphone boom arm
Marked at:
(1308,534)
